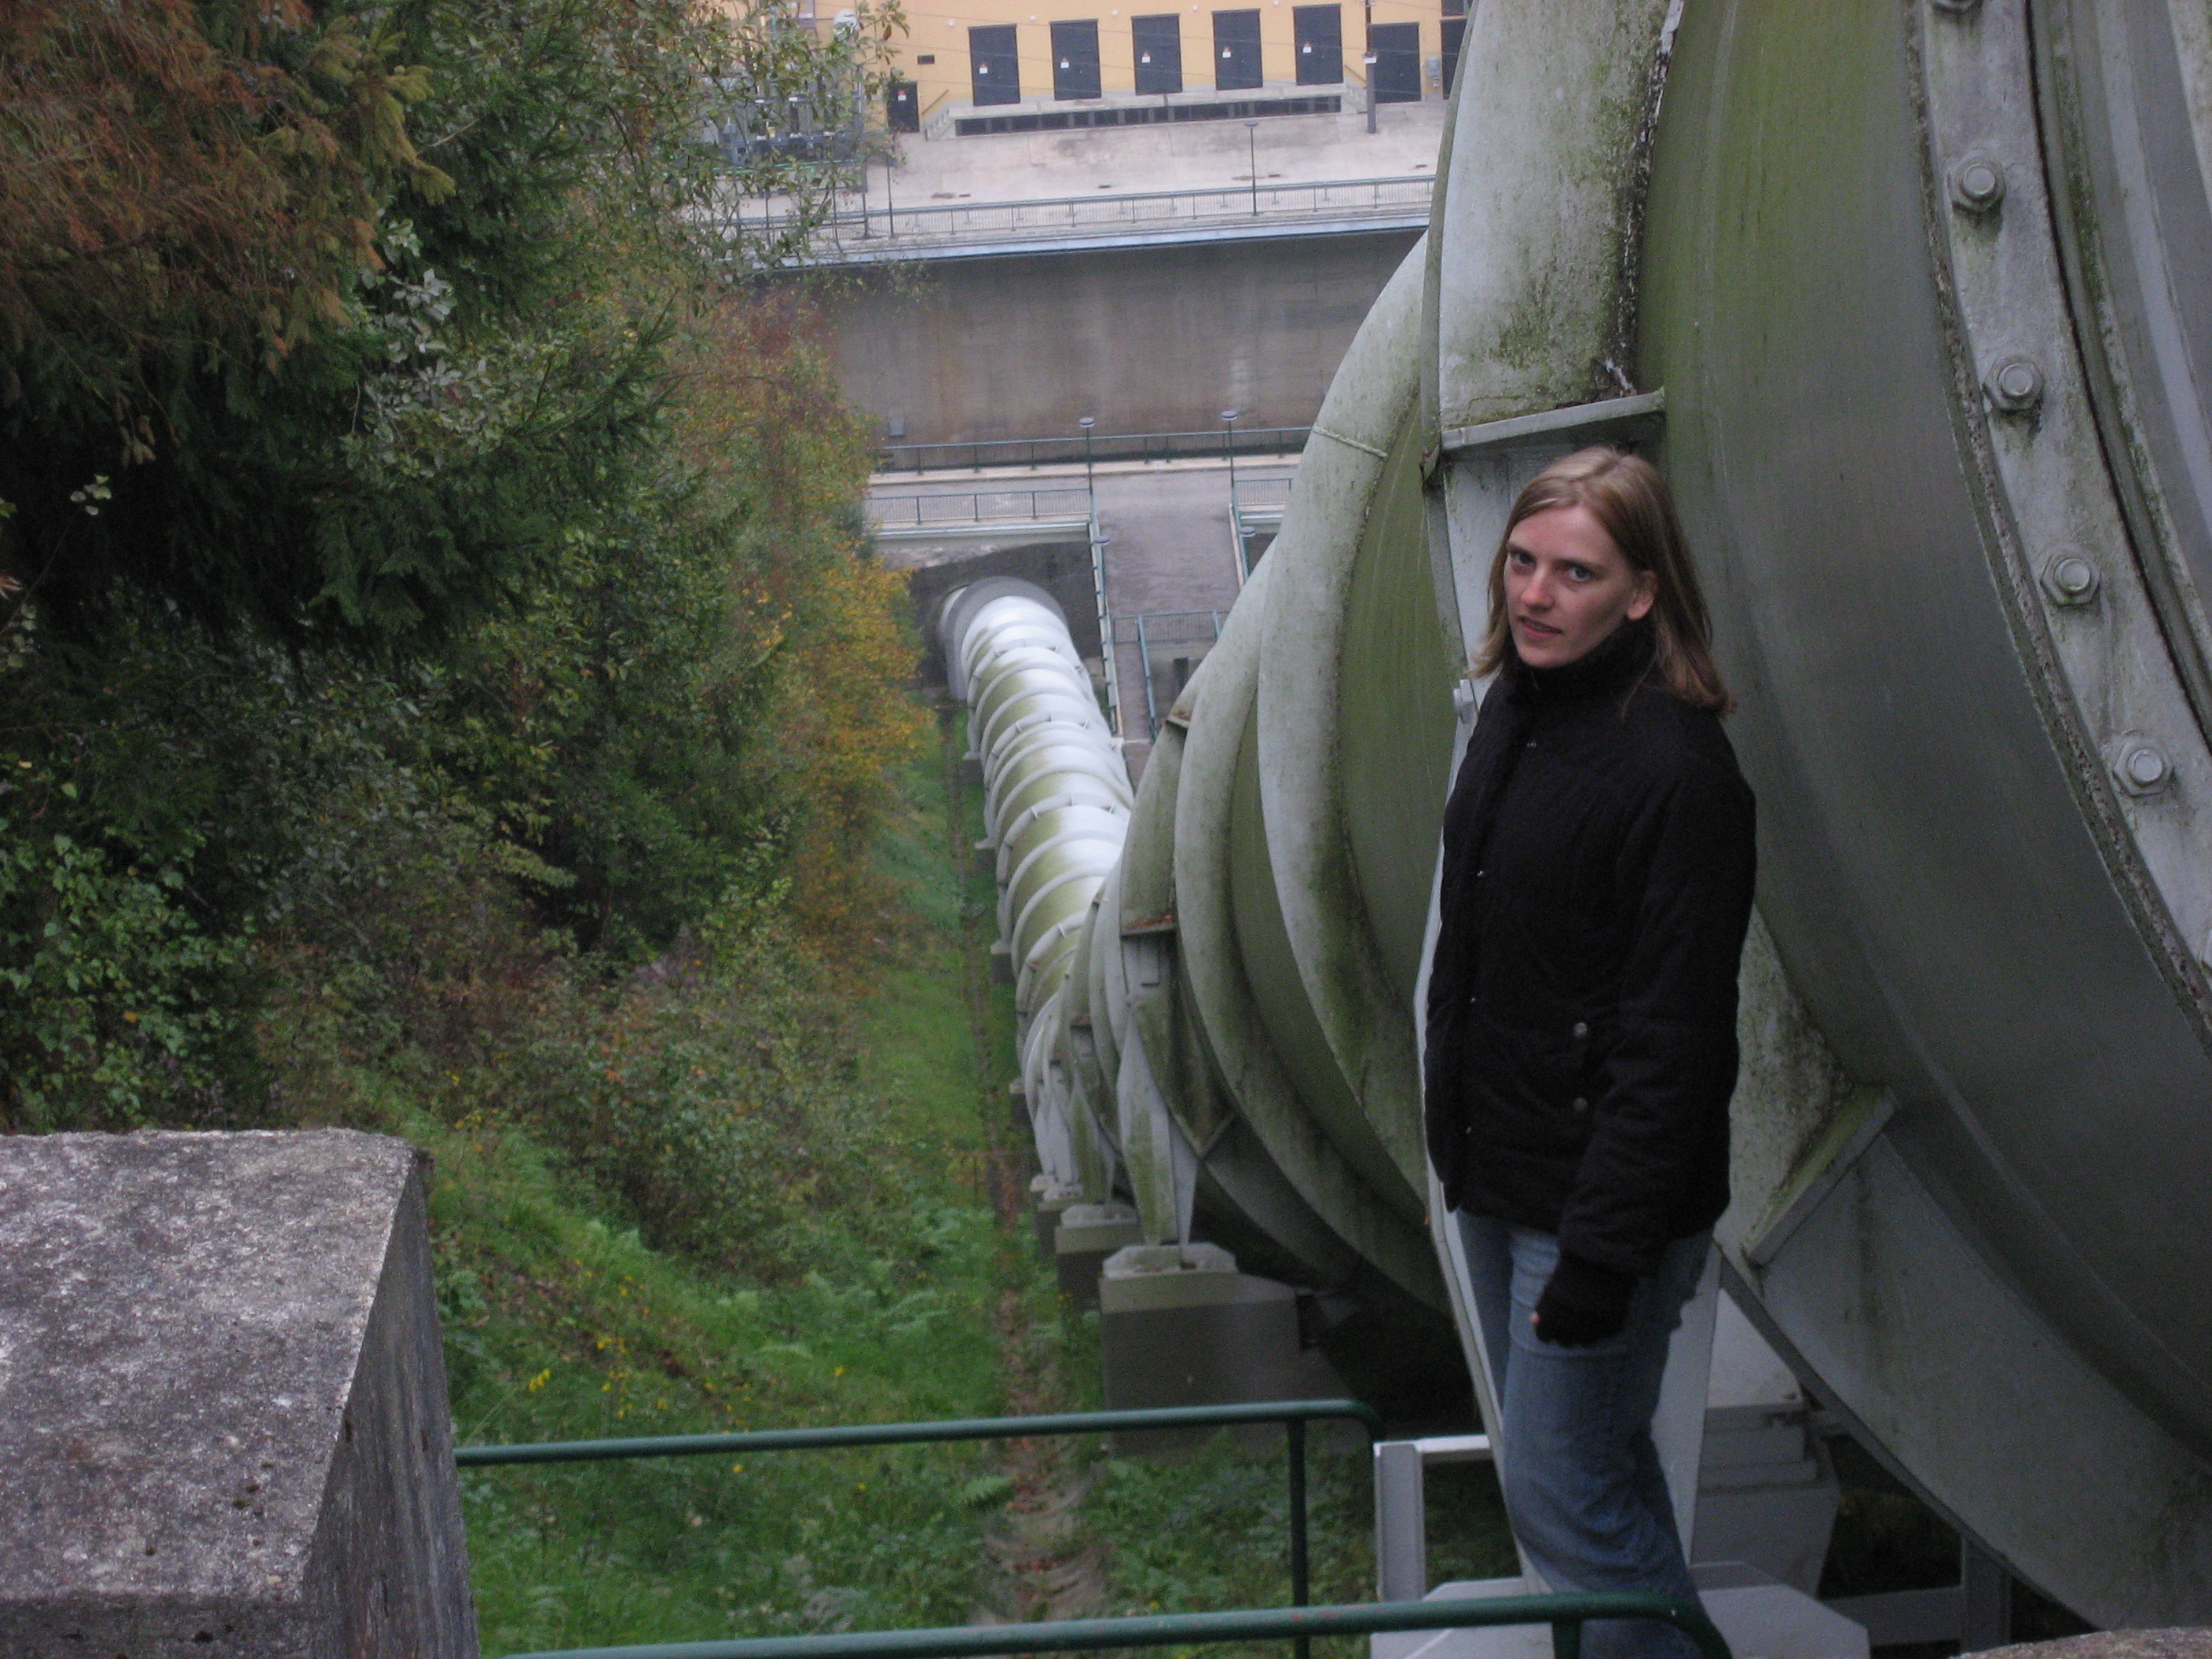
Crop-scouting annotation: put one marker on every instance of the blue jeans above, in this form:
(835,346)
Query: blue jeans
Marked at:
(1581,1480)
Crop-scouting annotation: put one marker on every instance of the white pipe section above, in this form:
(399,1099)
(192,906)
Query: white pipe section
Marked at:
(1056,801)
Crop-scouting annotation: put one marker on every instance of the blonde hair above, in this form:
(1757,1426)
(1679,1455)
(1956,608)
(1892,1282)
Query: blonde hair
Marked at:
(1629,499)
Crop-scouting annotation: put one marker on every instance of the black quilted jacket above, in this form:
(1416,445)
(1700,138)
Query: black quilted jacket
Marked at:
(1581,1033)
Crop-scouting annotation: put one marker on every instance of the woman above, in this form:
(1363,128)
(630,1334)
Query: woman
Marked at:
(1581,1040)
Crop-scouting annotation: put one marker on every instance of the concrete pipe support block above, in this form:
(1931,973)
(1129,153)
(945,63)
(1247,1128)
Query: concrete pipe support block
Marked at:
(223,1423)
(1052,1201)
(1182,1326)
(1087,1235)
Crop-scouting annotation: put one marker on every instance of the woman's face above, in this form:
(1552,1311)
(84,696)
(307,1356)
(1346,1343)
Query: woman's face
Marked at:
(1567,587)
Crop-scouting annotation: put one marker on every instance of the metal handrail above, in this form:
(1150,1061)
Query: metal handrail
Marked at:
(1293,1414)
(1263,492)
(1034,453)
(1565,1615)
(1105,623)
(1060,217)
(1124,205)
(913,509)
(1299,1412)
(1145,643)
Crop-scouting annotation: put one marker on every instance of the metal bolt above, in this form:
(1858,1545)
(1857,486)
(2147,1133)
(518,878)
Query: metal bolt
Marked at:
(1978,185)
(2140,766)
(2071,577)
(2015,386)
(1581,1104)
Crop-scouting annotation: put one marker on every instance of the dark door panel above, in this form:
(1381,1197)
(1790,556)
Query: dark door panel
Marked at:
(1075,59)
(903,106)
(1236,50)
(1396,76)
(1159,43)
(1318,35)
(994,70)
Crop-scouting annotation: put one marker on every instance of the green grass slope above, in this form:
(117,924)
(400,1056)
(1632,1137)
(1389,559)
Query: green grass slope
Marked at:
(923,1298)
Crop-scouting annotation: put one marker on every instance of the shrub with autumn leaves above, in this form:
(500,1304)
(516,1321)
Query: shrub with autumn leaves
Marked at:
(434,598)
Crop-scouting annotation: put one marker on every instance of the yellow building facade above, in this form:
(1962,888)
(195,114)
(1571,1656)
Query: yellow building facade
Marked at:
(1010,58)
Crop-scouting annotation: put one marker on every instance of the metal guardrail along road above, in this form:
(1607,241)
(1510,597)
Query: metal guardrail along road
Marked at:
(874,230)
(939,223)
(1565,1613)
(1158,630)
(1216,445)
(977,507)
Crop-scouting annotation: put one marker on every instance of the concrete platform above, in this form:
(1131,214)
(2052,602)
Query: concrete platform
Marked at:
(1196,155)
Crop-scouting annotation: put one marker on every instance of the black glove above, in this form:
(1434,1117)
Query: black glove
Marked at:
(1584,1303)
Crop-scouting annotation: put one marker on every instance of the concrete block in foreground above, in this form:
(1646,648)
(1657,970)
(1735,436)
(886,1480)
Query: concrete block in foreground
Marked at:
(223,1422)
(2188,1643)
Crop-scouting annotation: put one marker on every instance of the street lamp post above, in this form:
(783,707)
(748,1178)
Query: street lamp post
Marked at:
(1370,61)
(1229,448)
(793,132)
(760,132)
(1252,152)
(861,149)
(1089,480)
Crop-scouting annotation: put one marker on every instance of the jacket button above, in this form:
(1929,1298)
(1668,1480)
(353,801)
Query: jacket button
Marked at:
(1581,1029)
(1581,1105)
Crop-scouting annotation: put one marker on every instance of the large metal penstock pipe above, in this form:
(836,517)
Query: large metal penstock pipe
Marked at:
(1056,802)
(1916,301)
(1915,304)
(1232,1025)
(1266,1066)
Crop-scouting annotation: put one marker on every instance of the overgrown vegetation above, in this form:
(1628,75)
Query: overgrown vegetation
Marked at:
(912,1295)
(431,581)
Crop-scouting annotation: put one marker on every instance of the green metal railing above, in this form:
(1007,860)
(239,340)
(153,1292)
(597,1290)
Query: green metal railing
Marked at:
(1299,1623)
(1293,1414)
(1565,1613)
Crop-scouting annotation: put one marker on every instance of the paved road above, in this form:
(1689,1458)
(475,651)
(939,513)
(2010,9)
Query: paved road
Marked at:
(1169,551)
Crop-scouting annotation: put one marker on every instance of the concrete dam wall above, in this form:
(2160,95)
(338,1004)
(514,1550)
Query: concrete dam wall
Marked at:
(1158,339)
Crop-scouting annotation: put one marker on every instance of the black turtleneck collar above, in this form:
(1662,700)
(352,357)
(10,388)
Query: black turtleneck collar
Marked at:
(1619,660)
